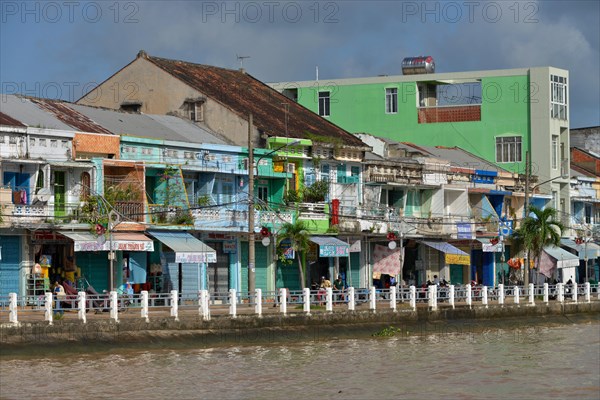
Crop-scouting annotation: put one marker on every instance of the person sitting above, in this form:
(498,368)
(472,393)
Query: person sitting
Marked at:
(325,283)
(339,287)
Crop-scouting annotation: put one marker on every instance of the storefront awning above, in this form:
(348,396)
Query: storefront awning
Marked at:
(121,241)
(563,258)
(187,248)
(593,250)
(330,246)
(452,255)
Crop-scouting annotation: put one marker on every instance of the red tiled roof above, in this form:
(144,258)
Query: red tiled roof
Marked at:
(10,121)
(63,112)
(244,94)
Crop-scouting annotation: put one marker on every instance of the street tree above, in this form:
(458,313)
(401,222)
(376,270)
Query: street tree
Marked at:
(539,229)
(299,238)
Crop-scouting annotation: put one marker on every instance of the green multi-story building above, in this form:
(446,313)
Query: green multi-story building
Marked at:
(498,115)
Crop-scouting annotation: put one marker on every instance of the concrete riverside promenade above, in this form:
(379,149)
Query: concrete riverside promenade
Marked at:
(142,318)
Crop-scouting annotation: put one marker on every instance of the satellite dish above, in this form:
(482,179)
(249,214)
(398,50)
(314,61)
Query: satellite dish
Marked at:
(101,240)
(392,245)
(266,241)
(588,233)
(43,194)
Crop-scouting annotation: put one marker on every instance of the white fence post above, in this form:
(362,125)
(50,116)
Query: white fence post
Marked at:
(469,298)
(351,299)
(546,296)
(204,309)
(451,295)
(81,314)
(560,296)
(114,306)
(258,302)
(531,294)
(373,299)
(144,311)
(433,297)
(413,297)
(283,301)
(48,307)
(516,289)
(329,298)
(501,294)
(574,290)
(393,298)
(587,292)
(484,296)
(174,305)
(306,300)
(12,307)
(232,303)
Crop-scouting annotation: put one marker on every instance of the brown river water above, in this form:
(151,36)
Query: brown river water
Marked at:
(500,362)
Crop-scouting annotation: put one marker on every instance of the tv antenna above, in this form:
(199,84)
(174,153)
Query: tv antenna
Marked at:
(241,58)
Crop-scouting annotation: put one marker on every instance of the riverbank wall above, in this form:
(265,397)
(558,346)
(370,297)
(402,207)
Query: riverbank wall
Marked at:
(294,327)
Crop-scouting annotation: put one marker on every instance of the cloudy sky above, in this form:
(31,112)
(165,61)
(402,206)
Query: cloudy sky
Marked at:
(57,48)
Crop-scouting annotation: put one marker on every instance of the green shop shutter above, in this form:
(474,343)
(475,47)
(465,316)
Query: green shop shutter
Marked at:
(95,268)
(261,255)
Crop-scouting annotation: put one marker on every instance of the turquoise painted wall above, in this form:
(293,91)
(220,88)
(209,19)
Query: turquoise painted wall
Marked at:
(361,108)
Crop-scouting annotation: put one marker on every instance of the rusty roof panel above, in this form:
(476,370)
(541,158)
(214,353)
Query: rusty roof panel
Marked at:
(63,112)
(9,121)
(244,94)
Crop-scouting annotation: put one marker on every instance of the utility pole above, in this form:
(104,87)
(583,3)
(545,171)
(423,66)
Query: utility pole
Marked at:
(251,249)
(527,179)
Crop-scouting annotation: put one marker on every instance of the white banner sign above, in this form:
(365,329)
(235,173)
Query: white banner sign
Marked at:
(195,258)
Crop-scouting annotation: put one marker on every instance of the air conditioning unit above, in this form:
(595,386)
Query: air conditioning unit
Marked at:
(290,168)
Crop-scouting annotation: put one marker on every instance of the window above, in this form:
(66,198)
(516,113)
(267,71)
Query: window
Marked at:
(508,149)
(325,172)
(324,101)
(391,101)
(263,193)
(554,151)
(558,97)
(40,181)
(196,112)
(85,185)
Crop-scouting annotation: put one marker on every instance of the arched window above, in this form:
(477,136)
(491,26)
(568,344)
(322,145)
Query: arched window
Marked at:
(85,185)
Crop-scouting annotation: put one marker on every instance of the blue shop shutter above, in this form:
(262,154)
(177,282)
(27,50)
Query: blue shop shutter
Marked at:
(137,264)
(9,265)
(191,278)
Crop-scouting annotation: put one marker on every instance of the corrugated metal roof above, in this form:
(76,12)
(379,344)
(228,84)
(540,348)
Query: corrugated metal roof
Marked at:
(122,123)
(24,110)
(163,127)
(9,121)
(62,111)
(192,132)
(461,158)
(244,94)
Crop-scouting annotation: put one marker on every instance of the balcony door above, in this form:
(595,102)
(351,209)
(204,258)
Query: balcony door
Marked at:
(59,193)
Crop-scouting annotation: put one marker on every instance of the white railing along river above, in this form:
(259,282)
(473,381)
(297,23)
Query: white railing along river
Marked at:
(284,301)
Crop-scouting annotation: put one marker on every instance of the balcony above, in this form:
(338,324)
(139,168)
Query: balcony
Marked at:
(227,219)
(132,210)
(465,113)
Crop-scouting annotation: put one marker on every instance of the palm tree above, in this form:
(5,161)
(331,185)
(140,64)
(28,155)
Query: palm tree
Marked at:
(298,236)
(536,232)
